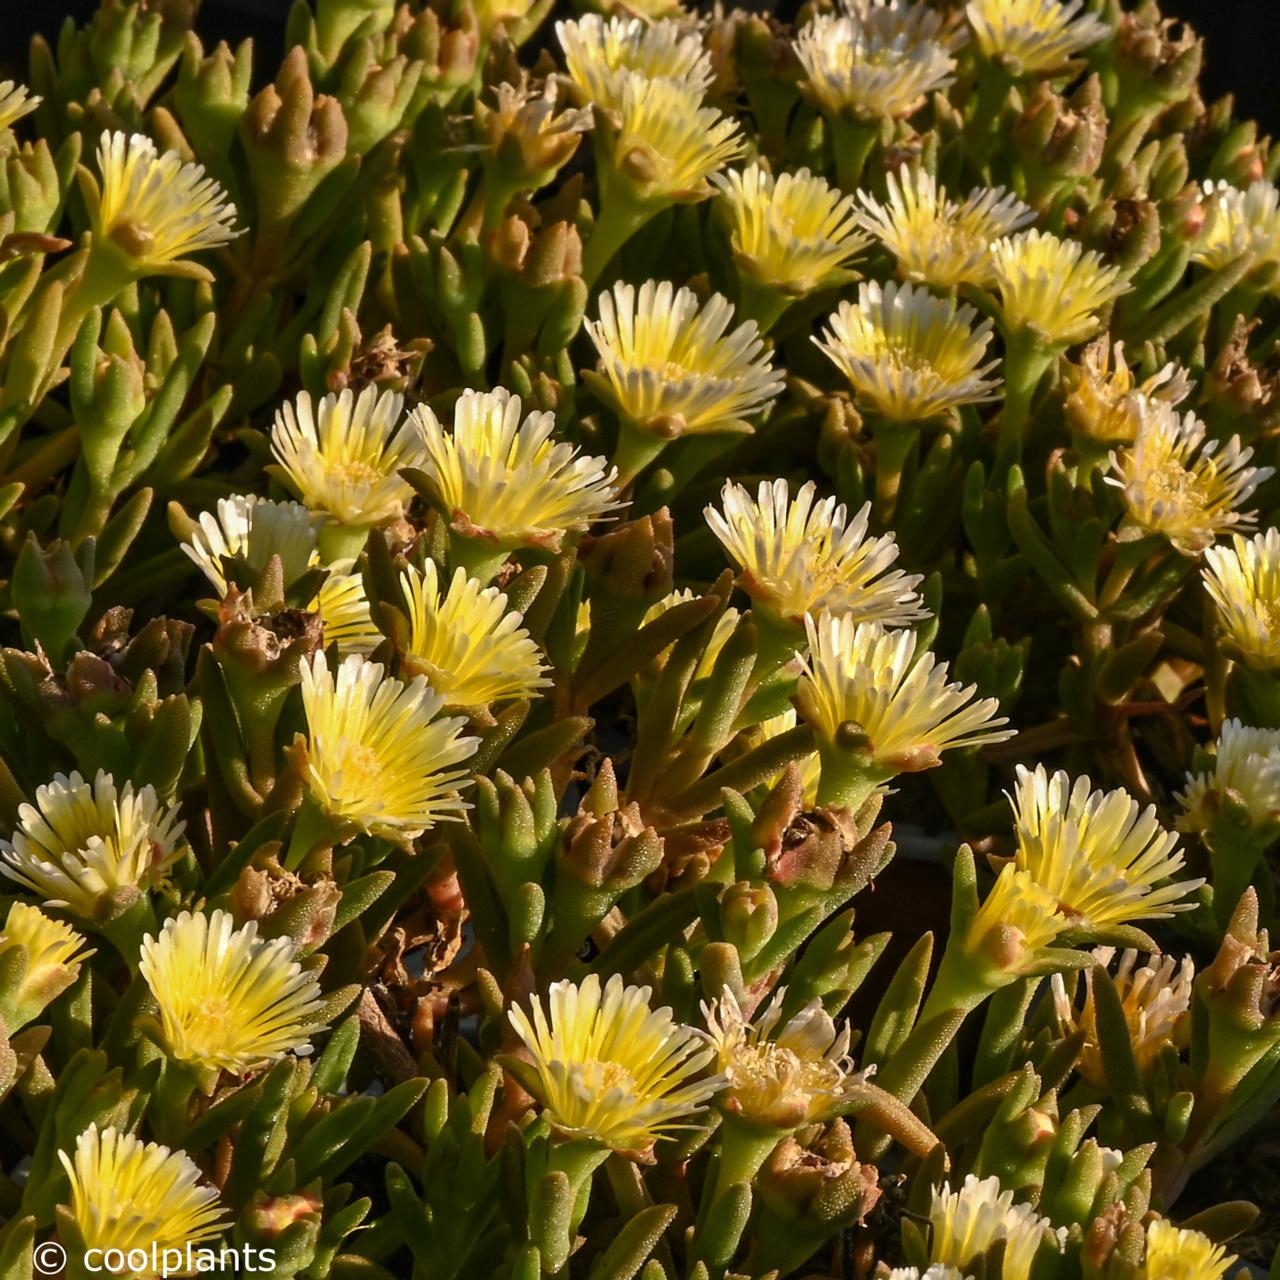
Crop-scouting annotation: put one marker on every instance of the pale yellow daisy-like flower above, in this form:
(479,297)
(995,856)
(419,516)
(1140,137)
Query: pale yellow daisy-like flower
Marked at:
(937,1271)
(666,145)
(466,642)
(345,616)
(1238,222)
(861,674)
(936,240)
(802,556)
(1011,930)
(343,455)
(1243,580)
(509,481)
(130,1195)
(781,1077)
(53,955)
(1053,288)
(81,842)
(726,625)
(910,356)
(810,767)
(607,1068)
(1155,997)
(968,1222)
(1244,778)
(16,101)
(881,58)
(671,368)
(1179,484)
(1104,403)
(794,232)
(1033,37)
(253,529)
(601,53)
(1104,859)
(377,757)
(228,999)
(156,208)
(1180,1253)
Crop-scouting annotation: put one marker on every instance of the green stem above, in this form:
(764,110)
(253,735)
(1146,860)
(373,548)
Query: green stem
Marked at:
(851,142)
(1026,360)
(636,450)
(762,302)
(480,557)
(311,828)
(894,442)
(847,779)
(1234,860)
(620,218)
(337,542)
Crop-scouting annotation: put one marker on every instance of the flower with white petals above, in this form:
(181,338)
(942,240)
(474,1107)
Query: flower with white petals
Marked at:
(669,367)
(1180,1253)
(1104,859)
(879,59)
(726,625)
(1052,288)
(939,241)
(794,232)
(1106,401)
(1177,483)
(377,758)
(1237,222)
(1243,581)
(1155,998)
(466,642)
(157,209)
(966,1223)
(253,529)
(781,1077)
(1033,37)
(508,481)
(343,456)
(16,101)
(601,54)
(607,1068)
(1242,785)
(910,356)
(51,954)
(802,556)
(81,843)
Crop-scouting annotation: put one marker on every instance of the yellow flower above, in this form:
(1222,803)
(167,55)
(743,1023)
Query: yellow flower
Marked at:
(509,481)
(1033,37)
(910,356)
(860,673)
(377,760)
(79,842)
(1238,222)
(800,557)
(881,58)
(466,643)
(344,614)
(1180,1253)
(1155,997)
(938,1271)
(343,456)
(665,145)
(228,999)
(1012,928)
(1052,287)
(781,1078)
(253,529)
(810,767)
(794,232)
(155,208)
(1243,581)
(608,1069)
(1102,858)
(601,55)
(16,101)
(1244,780)
(936,240)
(966,1223)
(1176,483)
(50,962)
(129,1195)
(670,369)
(1104,403)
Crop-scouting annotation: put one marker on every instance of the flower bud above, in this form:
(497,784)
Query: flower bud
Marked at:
(39,959)
(748,917)
(51,591)
(212,95)
(288,1225)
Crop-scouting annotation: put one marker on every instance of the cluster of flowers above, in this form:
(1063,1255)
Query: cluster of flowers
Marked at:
(451,893)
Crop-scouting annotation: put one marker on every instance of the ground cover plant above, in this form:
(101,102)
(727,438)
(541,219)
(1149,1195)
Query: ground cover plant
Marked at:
(638,642)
